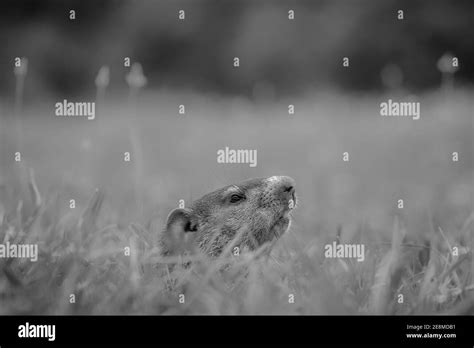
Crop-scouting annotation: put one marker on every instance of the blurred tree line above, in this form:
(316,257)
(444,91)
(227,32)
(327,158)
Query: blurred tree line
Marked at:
(287,56)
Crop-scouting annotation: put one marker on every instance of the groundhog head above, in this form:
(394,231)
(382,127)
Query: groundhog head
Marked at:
(249,214)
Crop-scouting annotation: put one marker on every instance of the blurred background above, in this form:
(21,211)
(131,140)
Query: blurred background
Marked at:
(278,56)
(282,62)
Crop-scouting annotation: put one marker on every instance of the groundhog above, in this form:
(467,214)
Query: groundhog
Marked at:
(249,214)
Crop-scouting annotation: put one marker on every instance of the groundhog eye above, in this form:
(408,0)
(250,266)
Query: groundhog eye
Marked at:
(236,198)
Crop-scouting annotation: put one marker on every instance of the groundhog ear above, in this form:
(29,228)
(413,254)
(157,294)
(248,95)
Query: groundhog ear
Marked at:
(176,240)
(181,220)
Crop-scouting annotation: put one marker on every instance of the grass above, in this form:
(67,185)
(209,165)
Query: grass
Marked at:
(83,250)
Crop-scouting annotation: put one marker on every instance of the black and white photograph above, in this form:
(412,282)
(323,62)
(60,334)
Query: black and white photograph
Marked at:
(168,160)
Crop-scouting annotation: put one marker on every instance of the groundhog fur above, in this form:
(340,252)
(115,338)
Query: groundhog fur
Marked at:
(249,214)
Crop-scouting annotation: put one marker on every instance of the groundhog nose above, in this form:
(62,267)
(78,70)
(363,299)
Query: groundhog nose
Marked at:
(291,192)
(284,184)
(287,183)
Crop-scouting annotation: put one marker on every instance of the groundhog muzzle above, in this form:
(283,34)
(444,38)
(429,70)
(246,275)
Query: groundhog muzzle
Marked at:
(249,214)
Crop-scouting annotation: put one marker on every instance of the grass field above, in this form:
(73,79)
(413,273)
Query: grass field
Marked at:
(119,205)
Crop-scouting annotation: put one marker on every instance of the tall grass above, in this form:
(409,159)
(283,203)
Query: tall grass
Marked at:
(85,255)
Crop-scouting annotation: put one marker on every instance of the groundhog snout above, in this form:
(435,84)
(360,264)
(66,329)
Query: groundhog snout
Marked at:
(283,187)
